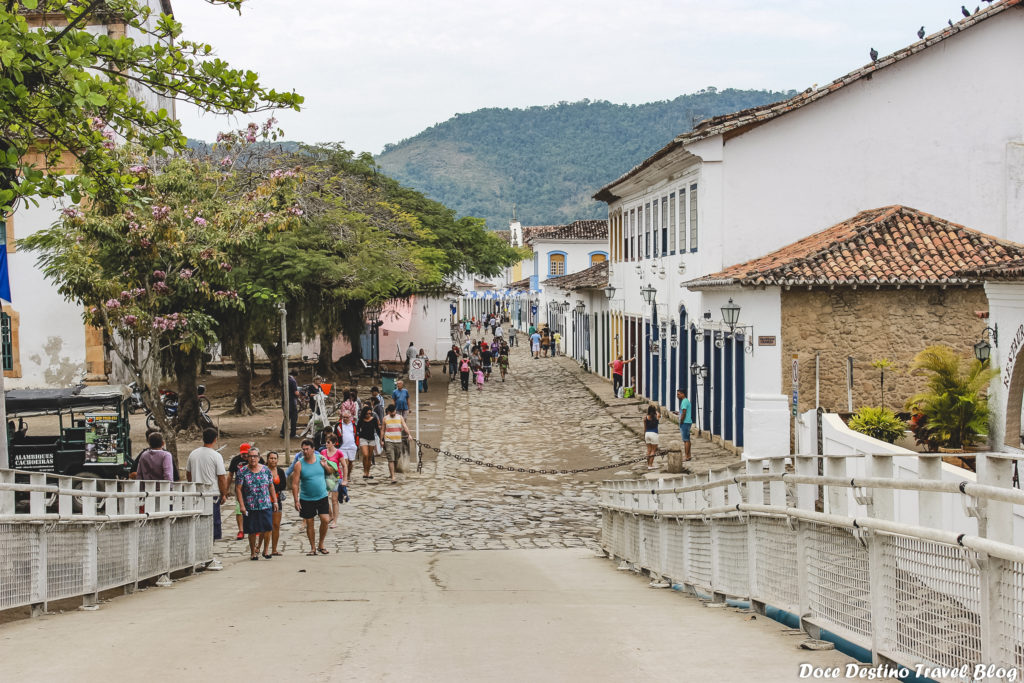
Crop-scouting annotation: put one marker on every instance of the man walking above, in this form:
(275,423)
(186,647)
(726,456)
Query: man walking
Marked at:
(512,336)
(309,490)
(535,344)
(410,353)
(394,427)
(685,422)
(205,466)
(452,361)
(617,366)
(401,398)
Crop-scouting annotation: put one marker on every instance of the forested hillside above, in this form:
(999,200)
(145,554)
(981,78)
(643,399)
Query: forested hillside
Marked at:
(547,160)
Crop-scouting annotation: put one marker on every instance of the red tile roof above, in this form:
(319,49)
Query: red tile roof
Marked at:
(577,230)
(594,277)
(520,284)
(742,121)
(893,245)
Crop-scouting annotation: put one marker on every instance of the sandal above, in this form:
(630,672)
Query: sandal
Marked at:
(266,557)
(277,554)
(240,536)
(311,554)
(254,558)
(323,551)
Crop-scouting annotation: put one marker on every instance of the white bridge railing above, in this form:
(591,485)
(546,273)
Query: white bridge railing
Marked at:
(805,535)
(65,537)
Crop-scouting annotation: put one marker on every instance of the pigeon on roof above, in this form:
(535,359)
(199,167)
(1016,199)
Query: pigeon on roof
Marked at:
(920,33)
(966,12)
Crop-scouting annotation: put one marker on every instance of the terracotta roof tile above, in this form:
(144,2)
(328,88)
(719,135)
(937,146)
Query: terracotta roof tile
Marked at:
(740,121)
(577,230)
(887,246)
(594,277)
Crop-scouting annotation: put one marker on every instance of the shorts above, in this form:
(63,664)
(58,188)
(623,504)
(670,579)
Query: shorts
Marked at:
(258,521)
(238,507)
(308,509)
(393,450)
(350,452)
(535,347)
(684,430)
(651,438)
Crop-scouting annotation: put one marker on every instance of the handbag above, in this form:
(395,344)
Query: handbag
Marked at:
(376,445)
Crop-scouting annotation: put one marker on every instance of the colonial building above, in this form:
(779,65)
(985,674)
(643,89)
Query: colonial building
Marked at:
(44,341)
(882,285)
(924,126)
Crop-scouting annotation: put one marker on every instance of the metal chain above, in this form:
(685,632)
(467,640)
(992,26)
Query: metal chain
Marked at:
(526,470)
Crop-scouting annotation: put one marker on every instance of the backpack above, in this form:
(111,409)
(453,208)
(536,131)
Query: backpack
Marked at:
(464,367)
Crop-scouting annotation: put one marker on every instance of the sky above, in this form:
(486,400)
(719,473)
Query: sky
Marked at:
(378,71)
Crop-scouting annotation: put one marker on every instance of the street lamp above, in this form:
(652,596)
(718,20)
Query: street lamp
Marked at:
(580,307)
(731,314)
(982,351)
(649,294)
(609,292)
(731,318)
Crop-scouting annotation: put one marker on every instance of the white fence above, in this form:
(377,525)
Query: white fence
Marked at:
(777,532)
(65,537)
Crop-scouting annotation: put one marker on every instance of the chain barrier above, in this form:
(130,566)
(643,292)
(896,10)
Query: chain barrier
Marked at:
(512,468)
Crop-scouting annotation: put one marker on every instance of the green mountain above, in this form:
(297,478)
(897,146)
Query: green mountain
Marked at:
(548,161)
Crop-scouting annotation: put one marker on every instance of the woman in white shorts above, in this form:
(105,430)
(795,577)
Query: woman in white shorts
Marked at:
(347,437)
(651,435)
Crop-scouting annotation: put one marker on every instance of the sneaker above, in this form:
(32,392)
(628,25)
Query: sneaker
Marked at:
(239,537)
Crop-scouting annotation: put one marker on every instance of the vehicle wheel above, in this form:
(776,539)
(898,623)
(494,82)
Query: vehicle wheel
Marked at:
(204,404)
(151,422)
(205,421)
(76,501)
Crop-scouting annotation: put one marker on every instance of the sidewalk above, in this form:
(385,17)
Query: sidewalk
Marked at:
(705,454)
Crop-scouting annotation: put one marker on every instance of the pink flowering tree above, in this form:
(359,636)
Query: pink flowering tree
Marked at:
(158,276)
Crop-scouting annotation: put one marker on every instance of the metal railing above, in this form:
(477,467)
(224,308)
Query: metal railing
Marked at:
(66,537)
(830,548)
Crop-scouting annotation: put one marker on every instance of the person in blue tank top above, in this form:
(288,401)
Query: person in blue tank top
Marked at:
(309,489)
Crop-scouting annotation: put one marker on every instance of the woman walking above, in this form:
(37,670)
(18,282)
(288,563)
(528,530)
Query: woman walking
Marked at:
(503,361)
(464,370)
(426,370)
(258,499)
(367,431)
(280,481)
(651,435)
(347,442)
(334,454)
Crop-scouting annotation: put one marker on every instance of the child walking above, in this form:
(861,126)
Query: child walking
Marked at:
(480,380)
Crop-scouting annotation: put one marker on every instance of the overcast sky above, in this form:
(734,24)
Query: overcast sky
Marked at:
(378,71)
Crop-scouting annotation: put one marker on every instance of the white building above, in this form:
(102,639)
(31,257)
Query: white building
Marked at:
(936,125)
(45,342)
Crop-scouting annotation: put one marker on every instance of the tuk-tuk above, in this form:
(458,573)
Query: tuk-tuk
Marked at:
(92,436)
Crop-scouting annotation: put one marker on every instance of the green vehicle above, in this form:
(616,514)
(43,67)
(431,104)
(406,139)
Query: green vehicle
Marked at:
(91,437)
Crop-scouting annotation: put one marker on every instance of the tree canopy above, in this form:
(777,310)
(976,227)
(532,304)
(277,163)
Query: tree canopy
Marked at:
(71,93)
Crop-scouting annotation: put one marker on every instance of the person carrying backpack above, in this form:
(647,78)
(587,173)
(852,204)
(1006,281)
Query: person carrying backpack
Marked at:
(464,373)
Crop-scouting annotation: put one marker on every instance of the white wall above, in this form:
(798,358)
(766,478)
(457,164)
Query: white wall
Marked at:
(936,131)
(51,334)
(1006,312)
(429,328)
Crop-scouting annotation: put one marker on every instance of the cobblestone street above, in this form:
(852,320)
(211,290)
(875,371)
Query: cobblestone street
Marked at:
(546,415)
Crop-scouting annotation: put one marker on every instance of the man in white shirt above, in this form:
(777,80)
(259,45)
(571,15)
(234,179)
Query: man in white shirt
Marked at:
(206,466)
(498,332)
(410,353)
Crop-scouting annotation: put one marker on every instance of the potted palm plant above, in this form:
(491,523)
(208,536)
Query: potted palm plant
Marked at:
(952,413)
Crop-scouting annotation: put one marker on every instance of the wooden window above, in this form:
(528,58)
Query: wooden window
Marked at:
(664,226)
(632,235)
(556,265)
(672,227)
(646,223)
(693,217)
(654,229)
(9,322)
(597,258)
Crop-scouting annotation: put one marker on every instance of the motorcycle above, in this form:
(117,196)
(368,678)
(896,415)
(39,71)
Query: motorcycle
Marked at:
(169,400)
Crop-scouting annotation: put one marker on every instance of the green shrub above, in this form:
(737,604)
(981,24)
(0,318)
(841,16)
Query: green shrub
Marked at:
(878,423)
(954,407)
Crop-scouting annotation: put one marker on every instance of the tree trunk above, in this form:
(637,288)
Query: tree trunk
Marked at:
(243,374)
(326,354)
(273,353)
(186,366)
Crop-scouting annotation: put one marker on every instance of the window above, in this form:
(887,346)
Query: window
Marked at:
(693,217)
(654,229)
(647,231)
(632,234)
(672,227)
(664,225)
(623,237)
(556,264)
(6,342)
(597,257)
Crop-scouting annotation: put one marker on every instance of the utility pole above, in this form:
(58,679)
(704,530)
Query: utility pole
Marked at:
(286,399)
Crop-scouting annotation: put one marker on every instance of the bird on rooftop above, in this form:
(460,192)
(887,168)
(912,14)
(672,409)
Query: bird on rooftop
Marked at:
(874,55)
(920,33)
(950,22)
(966,12)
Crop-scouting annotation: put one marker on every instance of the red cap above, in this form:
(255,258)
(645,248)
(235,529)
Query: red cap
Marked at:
(244,448)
